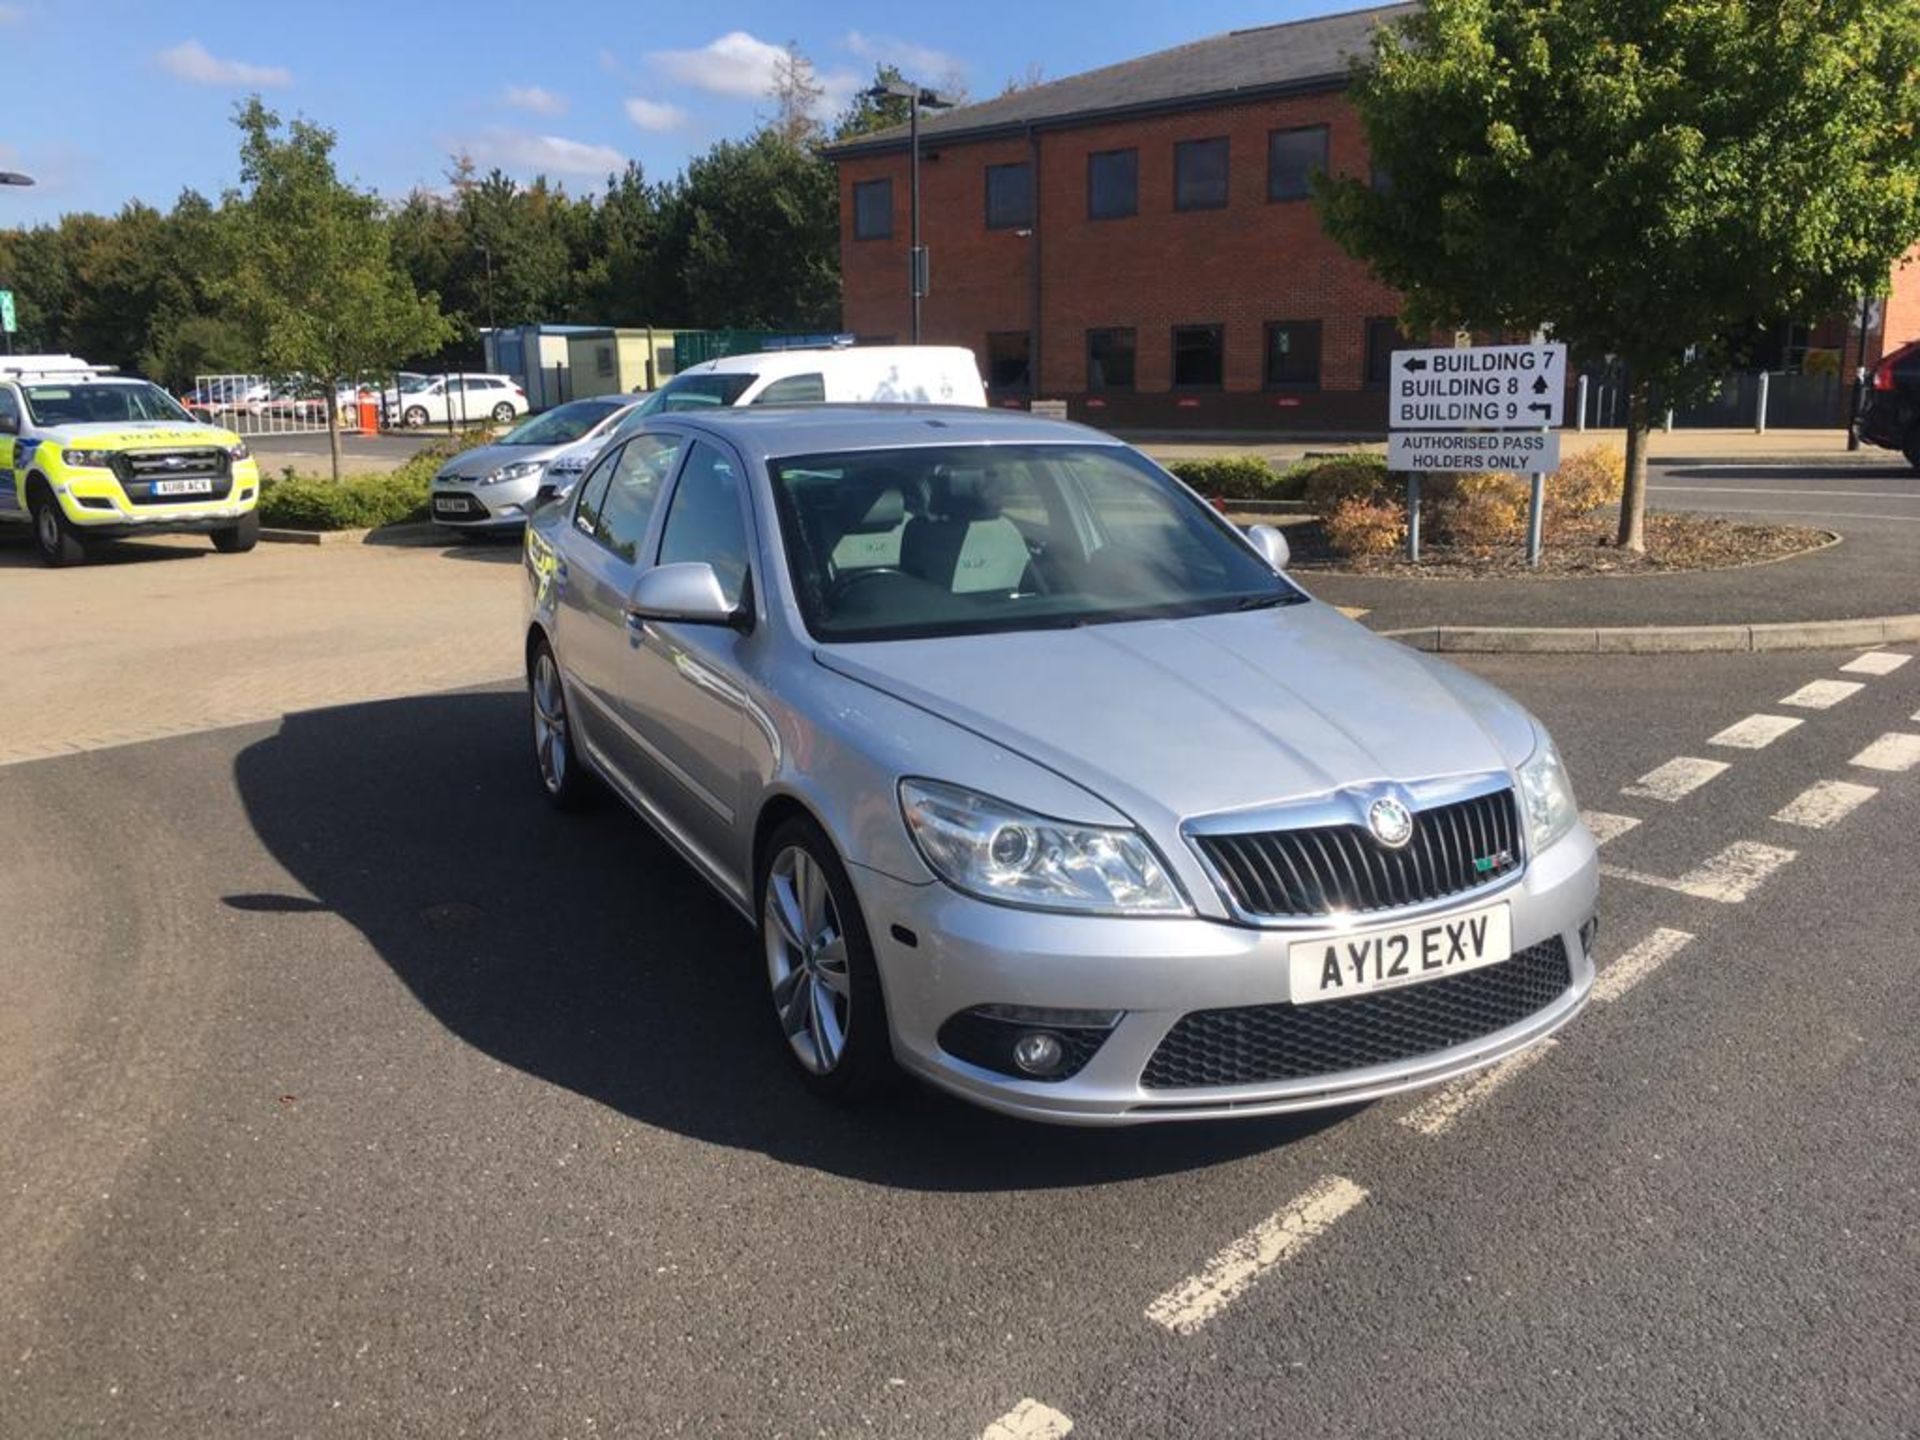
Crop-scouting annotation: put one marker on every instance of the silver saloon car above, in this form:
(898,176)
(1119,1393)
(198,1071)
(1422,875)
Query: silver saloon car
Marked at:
(493,487)
(1041,781)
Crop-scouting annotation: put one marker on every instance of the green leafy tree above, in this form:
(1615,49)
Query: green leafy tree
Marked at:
(1642,178)
(753,233)
(310,268)
(867,113)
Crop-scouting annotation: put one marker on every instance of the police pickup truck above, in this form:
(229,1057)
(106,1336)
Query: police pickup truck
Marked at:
(88,455)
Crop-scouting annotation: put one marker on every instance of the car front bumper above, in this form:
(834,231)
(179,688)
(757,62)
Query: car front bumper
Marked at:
(502,506)
(968,953)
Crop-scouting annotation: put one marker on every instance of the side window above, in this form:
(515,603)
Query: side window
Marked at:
(638,475)
(704,520)
(794,390)
(593,491)
(9,410)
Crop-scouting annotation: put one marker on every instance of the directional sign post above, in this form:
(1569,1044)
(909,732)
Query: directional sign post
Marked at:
(6,317)
(1473,409)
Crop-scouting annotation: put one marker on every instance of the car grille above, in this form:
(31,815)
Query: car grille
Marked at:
(1260,1043)
(1328,868)
(137,470)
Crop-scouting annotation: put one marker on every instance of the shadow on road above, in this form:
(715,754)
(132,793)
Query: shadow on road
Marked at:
(17,552)
(581,950)
(1817,471)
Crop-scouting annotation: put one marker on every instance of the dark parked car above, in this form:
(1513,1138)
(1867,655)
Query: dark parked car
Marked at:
(1891,415)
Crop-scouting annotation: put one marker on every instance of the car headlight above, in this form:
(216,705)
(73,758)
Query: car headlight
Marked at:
(1000,852)
(238,450)
(518,470)
(87,459)
(1547,795)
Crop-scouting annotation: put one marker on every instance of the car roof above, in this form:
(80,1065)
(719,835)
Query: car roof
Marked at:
(770,431)
(803,358)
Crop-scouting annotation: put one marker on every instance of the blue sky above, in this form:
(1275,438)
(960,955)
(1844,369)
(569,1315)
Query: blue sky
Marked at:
(112,100)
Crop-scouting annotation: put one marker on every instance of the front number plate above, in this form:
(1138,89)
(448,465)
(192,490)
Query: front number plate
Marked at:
(1368,960)
(183,487)
(453,504)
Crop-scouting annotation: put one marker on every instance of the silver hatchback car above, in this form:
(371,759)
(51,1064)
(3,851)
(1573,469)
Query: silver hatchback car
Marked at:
(1039,779)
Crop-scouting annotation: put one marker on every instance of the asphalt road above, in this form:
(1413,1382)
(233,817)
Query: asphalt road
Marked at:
(1871,489)
(308,453)
(345,1090)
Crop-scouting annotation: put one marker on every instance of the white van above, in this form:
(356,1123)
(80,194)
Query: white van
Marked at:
(882,374)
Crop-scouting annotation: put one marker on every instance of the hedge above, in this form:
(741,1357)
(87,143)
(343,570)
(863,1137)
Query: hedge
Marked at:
(359,502)
(1233,477)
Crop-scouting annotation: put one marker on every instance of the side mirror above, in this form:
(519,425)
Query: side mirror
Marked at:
(688,592)
(545,495)
(9,424)
(1271,544)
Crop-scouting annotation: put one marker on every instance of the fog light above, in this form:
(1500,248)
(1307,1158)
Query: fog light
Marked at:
(1038,1053)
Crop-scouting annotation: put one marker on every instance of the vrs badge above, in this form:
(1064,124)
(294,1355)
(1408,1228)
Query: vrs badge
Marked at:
(1390,821)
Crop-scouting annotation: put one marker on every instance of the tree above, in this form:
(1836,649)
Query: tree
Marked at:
(1643,179)
(866,112)
(753,233)
(310,268)
(795,92)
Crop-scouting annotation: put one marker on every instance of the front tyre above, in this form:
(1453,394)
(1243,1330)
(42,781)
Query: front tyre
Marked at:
(240,537)
(413,417)
(565,784)
(54,536)
(820,967)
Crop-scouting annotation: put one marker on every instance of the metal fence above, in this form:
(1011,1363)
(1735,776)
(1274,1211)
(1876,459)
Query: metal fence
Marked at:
(266,405)
(1744,400)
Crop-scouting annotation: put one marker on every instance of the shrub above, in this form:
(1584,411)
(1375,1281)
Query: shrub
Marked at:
(1233,477)
(354,503)
(1586,480)
(1325,484)
(1357,527)
(1480,510)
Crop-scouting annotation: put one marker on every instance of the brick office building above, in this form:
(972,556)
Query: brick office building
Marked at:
(1139,240)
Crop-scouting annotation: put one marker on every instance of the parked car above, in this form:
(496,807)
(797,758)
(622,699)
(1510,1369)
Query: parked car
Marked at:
(493,487)
(1038,778)
(1891,414)
(890,374)
(467,399)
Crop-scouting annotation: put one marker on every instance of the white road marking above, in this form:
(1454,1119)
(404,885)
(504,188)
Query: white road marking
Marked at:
(1822,694)
(1607,827)
(1029,1420)
(1729,877)
(1436,1114)
(1198,1298)
(1824,803)
(1756,732)
(1639,962)
(1677,778)
(1892,751)
(1876,662)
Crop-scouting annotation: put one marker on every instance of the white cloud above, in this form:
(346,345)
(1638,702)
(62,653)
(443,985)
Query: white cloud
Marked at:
(655,114)
(190,61)
(539,101)
(542,154)
(743,66)
(917,62)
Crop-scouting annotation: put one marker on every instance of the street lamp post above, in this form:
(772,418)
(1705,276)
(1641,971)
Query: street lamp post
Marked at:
(918,97)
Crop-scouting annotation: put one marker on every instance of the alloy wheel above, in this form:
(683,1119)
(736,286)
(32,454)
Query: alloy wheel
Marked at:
(550,724)
(807,960)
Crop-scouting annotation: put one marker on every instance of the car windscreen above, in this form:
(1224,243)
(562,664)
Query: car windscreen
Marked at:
(969,539)
(695,392)
(561,425)
(100,404)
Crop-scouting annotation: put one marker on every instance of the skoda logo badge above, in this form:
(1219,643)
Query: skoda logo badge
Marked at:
(1392,826)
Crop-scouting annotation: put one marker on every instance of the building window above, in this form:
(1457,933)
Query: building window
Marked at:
(1384,336)
(1113,184)
(873,210)
(1200,174)
(1198,357)
(1294,157)
(1009,196)
(1293,354)
(1010,360)
(1109,359)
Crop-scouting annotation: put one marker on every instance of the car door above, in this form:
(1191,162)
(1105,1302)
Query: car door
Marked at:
(600,555)
(684,689)
(11,501)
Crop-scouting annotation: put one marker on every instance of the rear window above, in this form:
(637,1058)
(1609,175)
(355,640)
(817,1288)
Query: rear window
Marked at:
(693,392)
